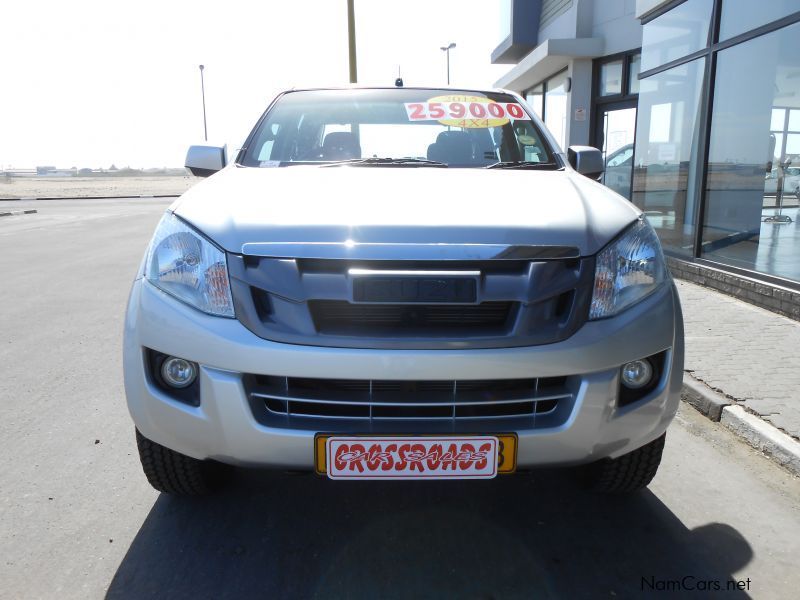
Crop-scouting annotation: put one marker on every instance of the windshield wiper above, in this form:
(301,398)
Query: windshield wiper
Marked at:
(422,162)
(522,164)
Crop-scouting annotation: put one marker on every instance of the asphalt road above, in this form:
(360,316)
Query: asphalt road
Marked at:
(78,520)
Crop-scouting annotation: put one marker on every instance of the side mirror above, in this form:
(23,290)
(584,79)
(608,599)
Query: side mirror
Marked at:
(586,161)
(203,161)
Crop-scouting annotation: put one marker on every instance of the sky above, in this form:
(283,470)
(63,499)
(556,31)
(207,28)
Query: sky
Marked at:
(90,83)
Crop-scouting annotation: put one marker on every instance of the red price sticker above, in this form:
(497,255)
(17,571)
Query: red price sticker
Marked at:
(466,111)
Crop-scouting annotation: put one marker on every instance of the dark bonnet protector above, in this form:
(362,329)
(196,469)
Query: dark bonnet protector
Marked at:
(406,252)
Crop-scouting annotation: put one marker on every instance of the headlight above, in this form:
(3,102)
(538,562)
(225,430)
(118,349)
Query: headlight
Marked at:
(627,270)
(186,265)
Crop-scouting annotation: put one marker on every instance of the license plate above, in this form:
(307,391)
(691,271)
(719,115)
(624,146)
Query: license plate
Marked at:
(414,456)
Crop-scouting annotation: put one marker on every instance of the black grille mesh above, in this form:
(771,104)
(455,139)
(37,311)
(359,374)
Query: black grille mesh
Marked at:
(341,317)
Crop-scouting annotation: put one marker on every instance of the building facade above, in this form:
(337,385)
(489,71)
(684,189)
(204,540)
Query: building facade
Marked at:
(695,105)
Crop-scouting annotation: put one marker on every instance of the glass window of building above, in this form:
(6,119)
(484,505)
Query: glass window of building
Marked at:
(549,102)
(535,97)
(753,181)
(617,144)
(611,78)
(665,160)
(739,16)
(614,115)
(634,66)
(677,33)
(555,107)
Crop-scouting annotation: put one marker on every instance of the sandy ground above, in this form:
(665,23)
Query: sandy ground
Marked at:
(81,187)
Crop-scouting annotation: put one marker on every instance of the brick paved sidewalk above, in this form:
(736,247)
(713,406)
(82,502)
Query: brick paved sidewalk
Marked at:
(747,353)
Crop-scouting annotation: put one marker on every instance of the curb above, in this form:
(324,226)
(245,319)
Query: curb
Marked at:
(778,446)
(703,398)
(14,213)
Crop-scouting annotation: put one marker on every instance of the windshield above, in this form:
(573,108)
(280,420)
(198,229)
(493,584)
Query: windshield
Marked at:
(399,125)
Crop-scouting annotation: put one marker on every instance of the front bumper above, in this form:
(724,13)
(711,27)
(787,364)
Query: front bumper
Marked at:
(224,428)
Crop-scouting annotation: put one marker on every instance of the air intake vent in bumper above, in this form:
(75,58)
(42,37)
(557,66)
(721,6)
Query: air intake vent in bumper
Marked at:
(331,404)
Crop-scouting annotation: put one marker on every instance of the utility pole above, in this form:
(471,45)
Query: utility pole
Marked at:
(447,49)
(203,92)
(351,38)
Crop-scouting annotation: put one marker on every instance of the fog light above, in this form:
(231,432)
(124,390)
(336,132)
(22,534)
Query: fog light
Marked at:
(177,372)
(637,374)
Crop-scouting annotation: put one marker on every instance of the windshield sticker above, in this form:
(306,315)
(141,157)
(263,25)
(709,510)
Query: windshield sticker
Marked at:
(269,163)
(471,112)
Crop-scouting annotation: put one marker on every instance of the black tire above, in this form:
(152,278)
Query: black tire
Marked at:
(175,473)
(628,473)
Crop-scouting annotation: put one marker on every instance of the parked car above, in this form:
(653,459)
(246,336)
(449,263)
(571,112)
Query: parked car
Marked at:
(619,170)
(401,283)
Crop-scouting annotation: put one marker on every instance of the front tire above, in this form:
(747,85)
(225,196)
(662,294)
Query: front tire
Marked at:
(175,473)
(628,473)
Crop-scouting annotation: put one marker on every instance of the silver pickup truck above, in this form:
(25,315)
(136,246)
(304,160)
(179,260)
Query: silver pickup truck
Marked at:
(401,283)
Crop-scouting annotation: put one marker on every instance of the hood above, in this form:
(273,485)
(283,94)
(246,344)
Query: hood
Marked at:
(404,205)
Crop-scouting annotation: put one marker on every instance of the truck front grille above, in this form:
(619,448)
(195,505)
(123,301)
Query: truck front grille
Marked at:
(480,304)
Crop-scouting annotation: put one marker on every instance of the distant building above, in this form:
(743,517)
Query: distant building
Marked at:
(19,173)
(49,171)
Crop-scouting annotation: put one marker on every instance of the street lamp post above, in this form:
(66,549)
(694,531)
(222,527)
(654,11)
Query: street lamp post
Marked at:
(351,41)
(446,50)
(203,92)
